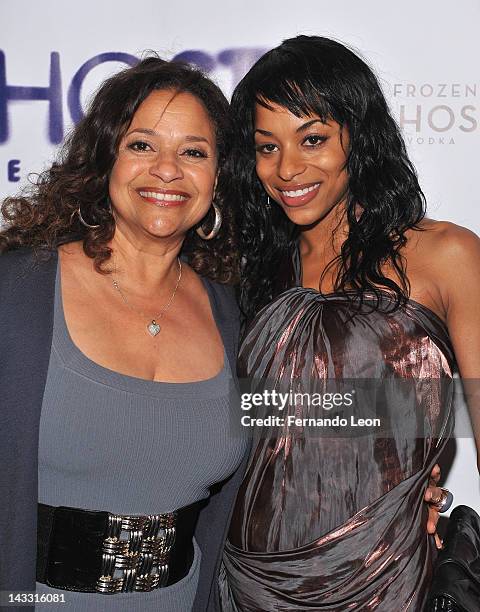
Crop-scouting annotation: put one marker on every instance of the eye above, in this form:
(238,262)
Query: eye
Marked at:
(195,153)
(314,140)
(266,148)
(139,146)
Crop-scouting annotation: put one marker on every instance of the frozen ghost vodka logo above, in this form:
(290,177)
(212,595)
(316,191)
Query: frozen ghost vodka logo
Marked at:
(436,113)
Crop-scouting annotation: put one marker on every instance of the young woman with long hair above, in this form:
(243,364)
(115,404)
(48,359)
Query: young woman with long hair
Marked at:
(345,280)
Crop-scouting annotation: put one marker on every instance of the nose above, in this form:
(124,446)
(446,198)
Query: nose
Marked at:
(290,165)
(166,167)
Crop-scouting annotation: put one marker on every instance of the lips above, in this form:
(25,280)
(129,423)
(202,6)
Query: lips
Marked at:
(299,195)
(163,197)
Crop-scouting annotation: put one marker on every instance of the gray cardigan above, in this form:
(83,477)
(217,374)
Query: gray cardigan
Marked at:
(27,288)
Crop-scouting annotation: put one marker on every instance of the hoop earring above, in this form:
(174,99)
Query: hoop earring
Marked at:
(216,226)
(83,222)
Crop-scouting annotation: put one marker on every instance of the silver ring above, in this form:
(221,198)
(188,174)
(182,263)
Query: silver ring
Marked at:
(445,502)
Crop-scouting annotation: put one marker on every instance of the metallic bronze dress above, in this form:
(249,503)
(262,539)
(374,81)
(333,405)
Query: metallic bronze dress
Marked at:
(337,522)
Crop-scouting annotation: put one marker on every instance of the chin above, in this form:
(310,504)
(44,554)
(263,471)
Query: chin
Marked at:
(164,230)
(303,217)
(307,215)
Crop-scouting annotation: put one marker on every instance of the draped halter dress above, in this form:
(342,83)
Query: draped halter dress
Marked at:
(337,522)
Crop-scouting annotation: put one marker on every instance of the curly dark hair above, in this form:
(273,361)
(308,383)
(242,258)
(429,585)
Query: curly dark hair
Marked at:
(311,75)
(45,216)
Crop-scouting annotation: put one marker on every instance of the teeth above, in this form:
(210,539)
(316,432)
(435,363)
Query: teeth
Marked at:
(162,197)
(300,192)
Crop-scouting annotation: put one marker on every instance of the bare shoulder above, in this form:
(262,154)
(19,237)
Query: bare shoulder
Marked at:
(446,242)
(448,257)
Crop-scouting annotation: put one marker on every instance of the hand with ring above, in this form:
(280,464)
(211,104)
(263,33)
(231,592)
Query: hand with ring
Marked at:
(439,500)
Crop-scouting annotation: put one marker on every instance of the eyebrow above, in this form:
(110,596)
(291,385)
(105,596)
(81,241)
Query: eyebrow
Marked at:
(302,128)
(150,132)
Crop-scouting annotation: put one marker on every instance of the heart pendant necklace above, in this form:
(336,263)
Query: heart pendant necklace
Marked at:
(153,328)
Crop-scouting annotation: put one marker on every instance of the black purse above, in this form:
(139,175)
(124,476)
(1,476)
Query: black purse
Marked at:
(456,579)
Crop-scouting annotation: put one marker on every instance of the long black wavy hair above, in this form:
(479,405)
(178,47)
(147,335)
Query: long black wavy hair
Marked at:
(312,75)
(46,215)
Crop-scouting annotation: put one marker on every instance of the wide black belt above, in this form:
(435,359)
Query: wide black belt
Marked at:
(101,552)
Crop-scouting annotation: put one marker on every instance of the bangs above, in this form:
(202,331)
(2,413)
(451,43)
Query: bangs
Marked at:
(301,99)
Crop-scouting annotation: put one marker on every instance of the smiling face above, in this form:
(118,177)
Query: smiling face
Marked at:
(163,180)
(301,162)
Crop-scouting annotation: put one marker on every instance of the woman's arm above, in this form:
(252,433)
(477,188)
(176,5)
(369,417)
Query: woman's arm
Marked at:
(459,252)
(450,259)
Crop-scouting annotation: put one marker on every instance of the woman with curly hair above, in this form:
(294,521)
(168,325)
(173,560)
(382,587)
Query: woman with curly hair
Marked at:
(347,287)
(119,337)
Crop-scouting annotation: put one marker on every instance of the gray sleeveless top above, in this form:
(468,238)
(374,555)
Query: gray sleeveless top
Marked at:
(130,446)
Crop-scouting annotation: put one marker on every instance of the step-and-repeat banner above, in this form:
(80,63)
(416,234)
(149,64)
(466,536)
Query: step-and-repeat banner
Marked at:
(53,54)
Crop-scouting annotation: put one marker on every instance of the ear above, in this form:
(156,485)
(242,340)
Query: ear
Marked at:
(215,184)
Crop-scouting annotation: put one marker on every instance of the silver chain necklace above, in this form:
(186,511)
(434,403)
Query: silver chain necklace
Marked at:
(153,327)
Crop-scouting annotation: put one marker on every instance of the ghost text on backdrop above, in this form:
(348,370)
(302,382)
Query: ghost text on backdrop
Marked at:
(236,60)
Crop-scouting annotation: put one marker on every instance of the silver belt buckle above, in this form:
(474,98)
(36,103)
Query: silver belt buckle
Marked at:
(136,552)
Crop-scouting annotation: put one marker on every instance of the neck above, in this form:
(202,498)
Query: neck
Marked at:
(148,265)
(325,238)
